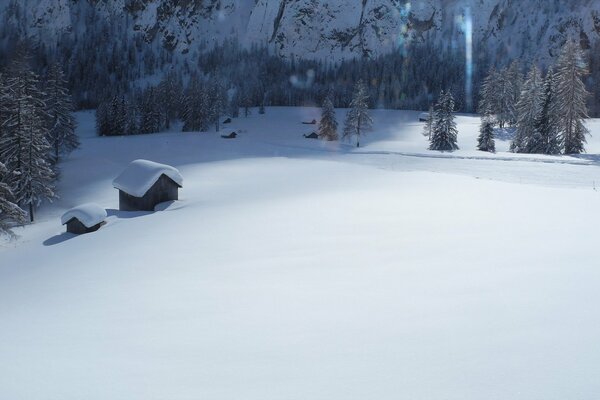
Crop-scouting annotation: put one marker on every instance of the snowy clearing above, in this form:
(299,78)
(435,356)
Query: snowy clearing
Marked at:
(299,269)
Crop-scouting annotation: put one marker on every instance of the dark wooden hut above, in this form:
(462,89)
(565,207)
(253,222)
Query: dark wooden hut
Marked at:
(144,184)
(313,135)
(86,218)
(232,135)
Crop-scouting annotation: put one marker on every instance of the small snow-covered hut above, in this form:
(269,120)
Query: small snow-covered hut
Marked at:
(85,218)
(144,184)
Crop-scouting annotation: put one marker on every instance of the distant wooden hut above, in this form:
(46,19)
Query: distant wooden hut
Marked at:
(312,135)
(144,184)
(85,218)
(232,135)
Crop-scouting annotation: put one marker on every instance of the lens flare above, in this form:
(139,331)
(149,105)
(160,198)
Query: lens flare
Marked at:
(469,59)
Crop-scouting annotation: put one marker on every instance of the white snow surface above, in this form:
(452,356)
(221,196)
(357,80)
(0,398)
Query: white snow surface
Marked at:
(88,214)
(140,175)
(300,269)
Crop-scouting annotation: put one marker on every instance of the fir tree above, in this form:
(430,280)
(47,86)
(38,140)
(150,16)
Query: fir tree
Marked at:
(529,108)
(150,113)
(428,128)
(197,108)
(61,134)
(234,104)
(571,97)
(217,102)
(485,141)
(102,118)
(515,85)
(445,134)
(546,139)
(10,213)
(328,124)
(169,98)
(358,120)
(25,148)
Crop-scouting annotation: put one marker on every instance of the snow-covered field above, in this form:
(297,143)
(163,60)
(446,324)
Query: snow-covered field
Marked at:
(297,269)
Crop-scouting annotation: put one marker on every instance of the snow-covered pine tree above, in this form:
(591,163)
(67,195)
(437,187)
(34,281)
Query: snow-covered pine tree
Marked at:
(428,128)
(10,213)
(25,148)
(328,124)
(116,122)
(170,91)
(102,126)
(61,133)
(529,108)
(485,141)
(358,120)
(131,117)
(504,96)
(514,79)
(234,103)
(196,107)
(151,117)
(571,97)
(5,100)
(445,134)
(246,103)
(546,139)
(217,102)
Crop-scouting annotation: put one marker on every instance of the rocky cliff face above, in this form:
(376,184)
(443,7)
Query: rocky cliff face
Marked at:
(332,28)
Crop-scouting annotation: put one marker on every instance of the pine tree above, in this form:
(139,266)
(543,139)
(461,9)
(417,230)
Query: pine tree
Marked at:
(546,139)
(488,93)
(358,120)
(61,136)
(217,102)
(571,97)
(234,104)
(169,98)
(150,113)
(485,141)
(515,86)
(328,124)
(445,134)
(428,128)
(529,108)
(196,108)
(102,118)
(10,213)
(24,147)
(246,103)
(5,100)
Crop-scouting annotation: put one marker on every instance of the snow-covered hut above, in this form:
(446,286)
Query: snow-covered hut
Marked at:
(85,218)
(144,184)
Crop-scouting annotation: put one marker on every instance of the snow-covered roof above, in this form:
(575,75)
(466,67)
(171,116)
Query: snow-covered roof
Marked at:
(140,175)
(88,214)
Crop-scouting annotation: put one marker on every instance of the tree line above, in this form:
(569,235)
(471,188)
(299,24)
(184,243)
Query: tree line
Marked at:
(547,113)
(37,128)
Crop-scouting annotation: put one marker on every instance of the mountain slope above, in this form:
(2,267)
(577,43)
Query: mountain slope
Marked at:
(326,28)
(322,28)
